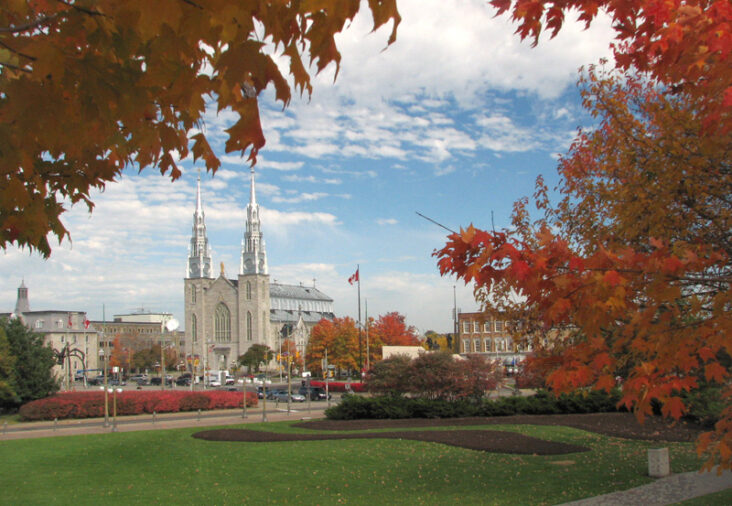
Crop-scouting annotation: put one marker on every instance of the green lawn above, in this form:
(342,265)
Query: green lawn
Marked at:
(170,467)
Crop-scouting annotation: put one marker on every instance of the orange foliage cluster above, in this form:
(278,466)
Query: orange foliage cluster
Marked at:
(685,44)
(631,270)
(92,86)
(633,265)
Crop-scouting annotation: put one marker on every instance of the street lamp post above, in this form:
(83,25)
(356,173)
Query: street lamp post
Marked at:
(114,391)
(244,390)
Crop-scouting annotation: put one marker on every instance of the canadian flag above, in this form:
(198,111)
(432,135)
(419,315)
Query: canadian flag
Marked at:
(70,322)
(354,278)
(86,323)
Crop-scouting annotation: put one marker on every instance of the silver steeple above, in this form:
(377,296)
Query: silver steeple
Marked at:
(253,252)
(199,254)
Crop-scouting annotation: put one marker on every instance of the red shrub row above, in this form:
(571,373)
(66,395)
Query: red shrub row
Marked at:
(339,386)
(130,402)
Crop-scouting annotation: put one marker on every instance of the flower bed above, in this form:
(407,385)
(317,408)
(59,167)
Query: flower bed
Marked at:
(130,402)
(339,386)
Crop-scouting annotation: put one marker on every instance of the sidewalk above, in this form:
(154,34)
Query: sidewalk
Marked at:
(274,413)
(668,490)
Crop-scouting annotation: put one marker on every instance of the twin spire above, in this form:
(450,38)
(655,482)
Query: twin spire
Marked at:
(253,253)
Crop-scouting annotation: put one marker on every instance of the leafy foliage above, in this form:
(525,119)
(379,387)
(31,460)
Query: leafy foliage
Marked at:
(389,376)
(256,356)
(131,402)
(8,396)
(435,375)
(340,337)
(390,330)
(112,84)
(683,45)
(380,407)
(630,271)
(32,373)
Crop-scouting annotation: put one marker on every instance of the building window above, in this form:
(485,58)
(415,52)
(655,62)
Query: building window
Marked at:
(500,345)
(63,339)
(222,323)
(194,328)
(39,324)
(59,324)
(476,327)
(249,290)
(193,294)
(487,345)
(499,326)
(466,345)
(466,327)
(487,326)
(249,326)
(476,342)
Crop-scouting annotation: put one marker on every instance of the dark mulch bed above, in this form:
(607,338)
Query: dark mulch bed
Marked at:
(485,440)
(611,424)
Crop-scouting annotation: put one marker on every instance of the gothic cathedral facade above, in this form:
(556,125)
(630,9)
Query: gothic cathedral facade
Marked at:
(224,317)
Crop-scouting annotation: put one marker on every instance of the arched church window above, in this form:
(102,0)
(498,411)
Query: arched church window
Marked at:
(249,326)
(222,323)
(194,328)
(249,290)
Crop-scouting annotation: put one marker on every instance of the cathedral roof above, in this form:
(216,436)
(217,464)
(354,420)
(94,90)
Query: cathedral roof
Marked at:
(290,316)
(280,291)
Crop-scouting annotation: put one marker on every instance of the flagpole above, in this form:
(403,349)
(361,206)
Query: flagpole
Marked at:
(360,341)
(368,365)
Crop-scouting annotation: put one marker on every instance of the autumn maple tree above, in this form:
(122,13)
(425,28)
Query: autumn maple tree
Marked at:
(389,330)
(630,271)
(340,338)
(90,87)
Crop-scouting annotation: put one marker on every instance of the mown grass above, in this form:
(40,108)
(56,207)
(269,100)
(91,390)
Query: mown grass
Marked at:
(170,467)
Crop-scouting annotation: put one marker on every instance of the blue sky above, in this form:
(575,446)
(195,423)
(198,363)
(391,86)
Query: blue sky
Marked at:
(454,120)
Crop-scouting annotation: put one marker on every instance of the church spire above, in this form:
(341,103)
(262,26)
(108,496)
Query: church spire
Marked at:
(21,304)
(199,254)
(253,252)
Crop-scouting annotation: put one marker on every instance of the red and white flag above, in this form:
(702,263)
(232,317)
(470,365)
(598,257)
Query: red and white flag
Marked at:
(354,278)
(86,323)
(70,323)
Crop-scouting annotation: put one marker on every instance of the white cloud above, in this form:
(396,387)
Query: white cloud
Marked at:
(387,221)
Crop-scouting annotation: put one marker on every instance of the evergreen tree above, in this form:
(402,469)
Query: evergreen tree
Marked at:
(32,376)
(8,397)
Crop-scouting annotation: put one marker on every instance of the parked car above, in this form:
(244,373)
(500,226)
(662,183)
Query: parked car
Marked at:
(316,393)
(281,396)
(116,382)
(98,380)
(183,381)
(155,380)
(140,379)
(260,392)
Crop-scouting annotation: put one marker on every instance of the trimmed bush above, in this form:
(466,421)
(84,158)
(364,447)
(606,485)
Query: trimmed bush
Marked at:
(130,402)
(354,407)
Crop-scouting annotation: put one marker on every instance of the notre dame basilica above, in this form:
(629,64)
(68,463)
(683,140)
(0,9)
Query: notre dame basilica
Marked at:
(224,316)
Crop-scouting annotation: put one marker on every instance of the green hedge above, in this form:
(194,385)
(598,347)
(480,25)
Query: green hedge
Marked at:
(355,407)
